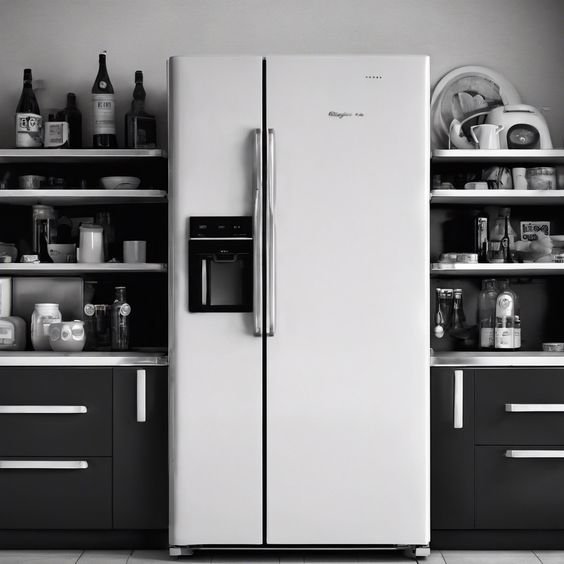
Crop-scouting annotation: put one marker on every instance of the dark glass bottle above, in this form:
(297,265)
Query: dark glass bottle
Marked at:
(120,320)
(140,127)
(28,118)
(505,242)
(71,114)
(103,109)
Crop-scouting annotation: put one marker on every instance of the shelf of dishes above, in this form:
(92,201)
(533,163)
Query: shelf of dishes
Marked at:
(496,358)
(88,358)
(554,156)
(78,268)
(501,197)
(76,155)
(75,197)
(495,269)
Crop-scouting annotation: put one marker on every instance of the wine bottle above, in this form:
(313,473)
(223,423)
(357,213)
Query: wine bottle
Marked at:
(71,114)
(29,123)
(103,109)
(140,127)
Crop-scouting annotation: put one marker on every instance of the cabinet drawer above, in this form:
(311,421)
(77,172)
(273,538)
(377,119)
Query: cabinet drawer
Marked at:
(55,412)
(525,492)
(510,404)
(56,493)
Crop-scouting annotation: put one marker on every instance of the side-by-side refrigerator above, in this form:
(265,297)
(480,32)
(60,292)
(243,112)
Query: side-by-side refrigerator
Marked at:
(299,310)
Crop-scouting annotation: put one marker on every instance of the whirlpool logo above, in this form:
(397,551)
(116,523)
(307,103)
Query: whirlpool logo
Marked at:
(341,115)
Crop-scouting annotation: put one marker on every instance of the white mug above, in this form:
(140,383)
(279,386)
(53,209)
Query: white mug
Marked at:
(486,135)
(519,178)
(135,251)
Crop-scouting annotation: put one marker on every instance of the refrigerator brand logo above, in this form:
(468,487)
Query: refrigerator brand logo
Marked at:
(342,115)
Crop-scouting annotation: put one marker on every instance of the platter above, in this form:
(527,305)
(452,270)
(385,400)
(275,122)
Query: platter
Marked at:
(463,91)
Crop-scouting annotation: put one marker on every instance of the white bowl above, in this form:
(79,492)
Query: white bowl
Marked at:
(120,182)
(62,252)
(67,336)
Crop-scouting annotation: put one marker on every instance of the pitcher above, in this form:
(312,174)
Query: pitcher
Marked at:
(486,135)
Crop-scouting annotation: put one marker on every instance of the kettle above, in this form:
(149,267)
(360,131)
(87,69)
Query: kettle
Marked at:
(524,127)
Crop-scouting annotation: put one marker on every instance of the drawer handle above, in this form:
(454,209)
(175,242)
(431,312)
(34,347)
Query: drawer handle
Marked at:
(43,409)
(534,407)
(458,399)
(43,464)
(534,454)
(141,396)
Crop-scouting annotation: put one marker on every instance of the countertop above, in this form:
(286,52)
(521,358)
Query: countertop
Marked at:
(129,358)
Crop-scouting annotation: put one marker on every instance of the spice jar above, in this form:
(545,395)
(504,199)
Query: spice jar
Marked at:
(42,317)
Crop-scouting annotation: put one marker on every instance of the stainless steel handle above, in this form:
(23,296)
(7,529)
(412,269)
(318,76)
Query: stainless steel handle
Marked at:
(534,454)
(43,464)
(534,407)
(31,409)
(458,399)
(204,282)
(257,234)
(271,237)
(141,396)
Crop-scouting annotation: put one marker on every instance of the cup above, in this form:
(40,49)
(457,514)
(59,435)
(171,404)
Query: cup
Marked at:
(135,251)
(30,181)
(519,178)
(486,135)
(91,243)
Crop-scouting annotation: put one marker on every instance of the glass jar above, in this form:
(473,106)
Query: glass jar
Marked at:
(42,317)
(91,243)
(44,227)
(541,178)
(120,320)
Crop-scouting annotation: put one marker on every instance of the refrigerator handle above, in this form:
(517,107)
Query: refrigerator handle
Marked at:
(257,234)
(270,237)
(458,399)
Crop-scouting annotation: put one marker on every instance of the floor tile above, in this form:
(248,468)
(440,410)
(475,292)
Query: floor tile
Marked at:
(489,557)
(105,557)
(153,557)
(434,558)
(550,556)
(39,556)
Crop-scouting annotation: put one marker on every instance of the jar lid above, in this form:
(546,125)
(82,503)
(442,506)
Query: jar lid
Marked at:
(90,227)
(540,170)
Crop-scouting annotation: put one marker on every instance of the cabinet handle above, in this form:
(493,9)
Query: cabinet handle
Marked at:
(43,464)
(141,396)
(534,454)
(458,399)
(30,409)
(534,407)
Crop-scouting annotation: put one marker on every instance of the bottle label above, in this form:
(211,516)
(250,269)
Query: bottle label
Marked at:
(28,130)
(517,337)
(104,122)
(504,338)
(487,338)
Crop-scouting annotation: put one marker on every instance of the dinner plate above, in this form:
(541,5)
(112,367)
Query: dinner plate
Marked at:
(463,91)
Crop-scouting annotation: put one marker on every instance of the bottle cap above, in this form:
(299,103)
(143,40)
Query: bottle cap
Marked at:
(138,76)
(27,74)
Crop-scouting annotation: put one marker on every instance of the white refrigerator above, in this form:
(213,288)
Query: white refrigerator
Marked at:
(299,301)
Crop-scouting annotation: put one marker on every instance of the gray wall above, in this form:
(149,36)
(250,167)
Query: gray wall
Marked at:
(60,39)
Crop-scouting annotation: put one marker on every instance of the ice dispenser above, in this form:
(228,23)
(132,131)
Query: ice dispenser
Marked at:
(220,264)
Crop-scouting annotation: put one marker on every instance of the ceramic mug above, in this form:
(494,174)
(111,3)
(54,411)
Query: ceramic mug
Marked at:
(67,336)
(135,251)
(486,135)
(519,178)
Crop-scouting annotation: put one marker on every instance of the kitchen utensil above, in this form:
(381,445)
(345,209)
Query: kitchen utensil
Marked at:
(463,91)
(135,251)
(519,178)
(67,336)
(91,243)
(5,297)
(541,178)
(524,128)
(12,334)
(60,252)
(486,135)
(43,315)
(553,347)
(30,181)
(120,182)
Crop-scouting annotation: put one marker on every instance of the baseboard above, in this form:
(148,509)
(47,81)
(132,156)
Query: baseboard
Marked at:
(497,539)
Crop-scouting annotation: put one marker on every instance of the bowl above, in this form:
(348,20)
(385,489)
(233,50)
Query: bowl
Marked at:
(62,252)
(67,336)
(120,182)
(553,347)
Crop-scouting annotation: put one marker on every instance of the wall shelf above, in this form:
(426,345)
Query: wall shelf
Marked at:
(40,358)
(512,269)
(79,268)
(501,197)
(75,155)
(546,156)
(79,197)
(497,358)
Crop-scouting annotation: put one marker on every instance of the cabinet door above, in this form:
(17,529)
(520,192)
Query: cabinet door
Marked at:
(140,453)
(452,449)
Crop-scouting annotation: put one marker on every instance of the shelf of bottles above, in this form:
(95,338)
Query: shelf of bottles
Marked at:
(540,156)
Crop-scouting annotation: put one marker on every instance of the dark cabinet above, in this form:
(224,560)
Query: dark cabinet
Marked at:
(140,448)
(452,448)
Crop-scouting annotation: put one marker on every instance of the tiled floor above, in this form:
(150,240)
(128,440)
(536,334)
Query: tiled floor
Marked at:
(157,557)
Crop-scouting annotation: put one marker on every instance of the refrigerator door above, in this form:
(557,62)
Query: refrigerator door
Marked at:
(215,108)
(347,407)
